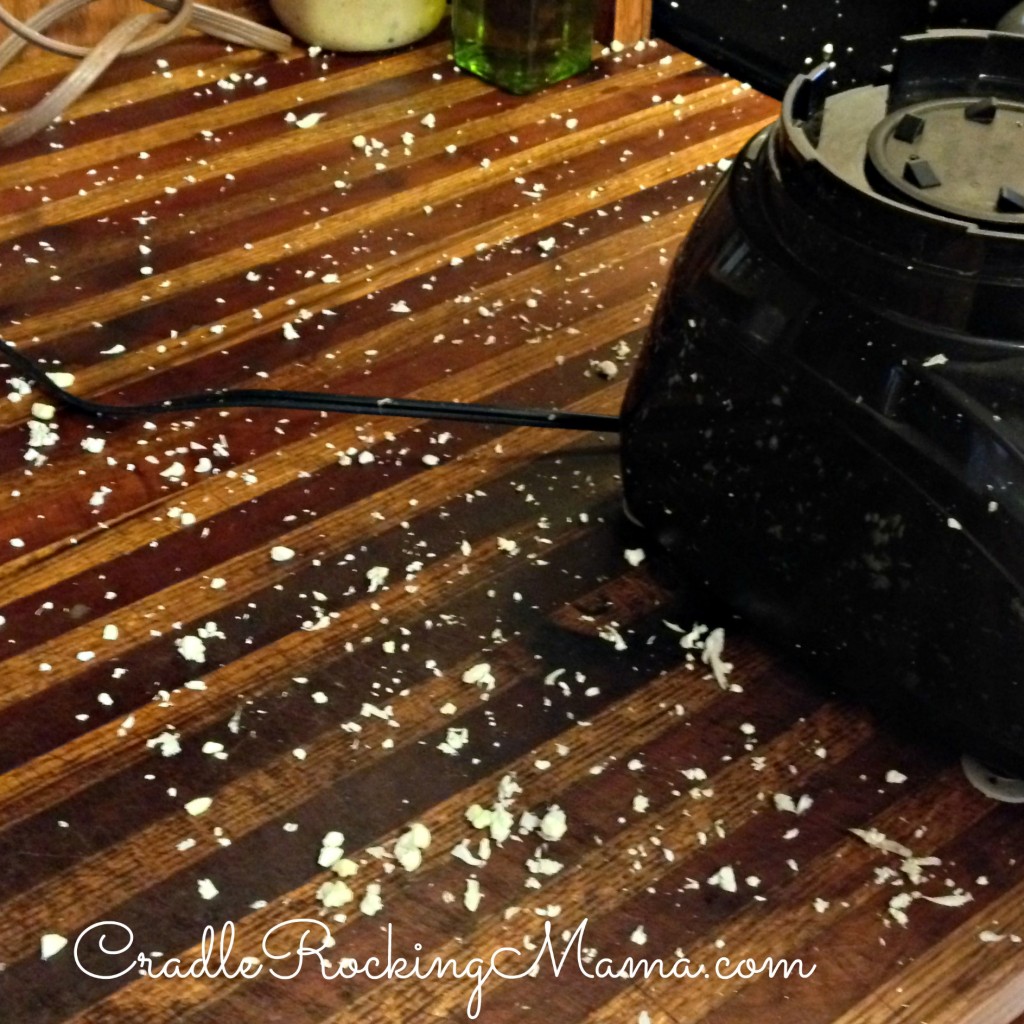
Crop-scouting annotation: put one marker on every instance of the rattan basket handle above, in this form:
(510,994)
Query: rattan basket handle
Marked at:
(133,35)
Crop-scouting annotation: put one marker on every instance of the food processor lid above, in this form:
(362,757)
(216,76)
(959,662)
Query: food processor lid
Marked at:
(928,158)
(957,156)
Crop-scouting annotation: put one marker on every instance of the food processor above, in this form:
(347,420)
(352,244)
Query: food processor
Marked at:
(826,425)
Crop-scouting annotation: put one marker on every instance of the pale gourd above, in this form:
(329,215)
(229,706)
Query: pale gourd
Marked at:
(359,25)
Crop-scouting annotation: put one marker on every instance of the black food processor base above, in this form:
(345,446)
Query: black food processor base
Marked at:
(827,423)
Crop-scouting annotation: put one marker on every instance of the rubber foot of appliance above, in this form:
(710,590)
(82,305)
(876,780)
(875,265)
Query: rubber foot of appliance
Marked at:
(998,787)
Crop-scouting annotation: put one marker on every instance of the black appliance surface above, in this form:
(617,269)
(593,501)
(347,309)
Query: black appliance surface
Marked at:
(768,42)
(827,420)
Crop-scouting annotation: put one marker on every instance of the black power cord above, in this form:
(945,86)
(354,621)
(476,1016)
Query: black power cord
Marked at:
(308,401)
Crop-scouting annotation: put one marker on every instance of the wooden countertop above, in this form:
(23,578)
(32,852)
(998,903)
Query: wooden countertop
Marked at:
(180,231)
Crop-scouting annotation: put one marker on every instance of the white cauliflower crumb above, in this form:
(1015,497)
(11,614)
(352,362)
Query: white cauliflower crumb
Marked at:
(329,856)
(635,555)
(51,944)
(553,825)
(371,903)
(610,633)
(784,802)
(479,675)
(411,844)
(191,648)
(957,898)
(500,824)
(375,578)
(473,895)
(544,866)
(200,805)
(455,739)
(461,851)
(420,834)
(41,435)
(167,743)
(879,841)
(478,816)
(724,878)
(279,553)
(334,893)
(346,867)
(714,645)
(898,905)
(310,120)
(207,889)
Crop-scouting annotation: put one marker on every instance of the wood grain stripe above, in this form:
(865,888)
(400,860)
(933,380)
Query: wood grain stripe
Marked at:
(418,259)
(25,575)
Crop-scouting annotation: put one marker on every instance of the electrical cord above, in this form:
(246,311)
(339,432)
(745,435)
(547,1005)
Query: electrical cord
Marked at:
(309,401)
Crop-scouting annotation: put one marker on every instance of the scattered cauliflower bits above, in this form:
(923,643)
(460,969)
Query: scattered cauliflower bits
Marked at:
(507,823)
(710,645)
(408,851)
(913,870)
(498,823)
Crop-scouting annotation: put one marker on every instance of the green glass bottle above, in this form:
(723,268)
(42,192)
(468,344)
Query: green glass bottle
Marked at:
(523,45)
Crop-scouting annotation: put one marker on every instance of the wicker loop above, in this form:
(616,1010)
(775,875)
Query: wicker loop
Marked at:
(95,63)
(131,36)
(173,28)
